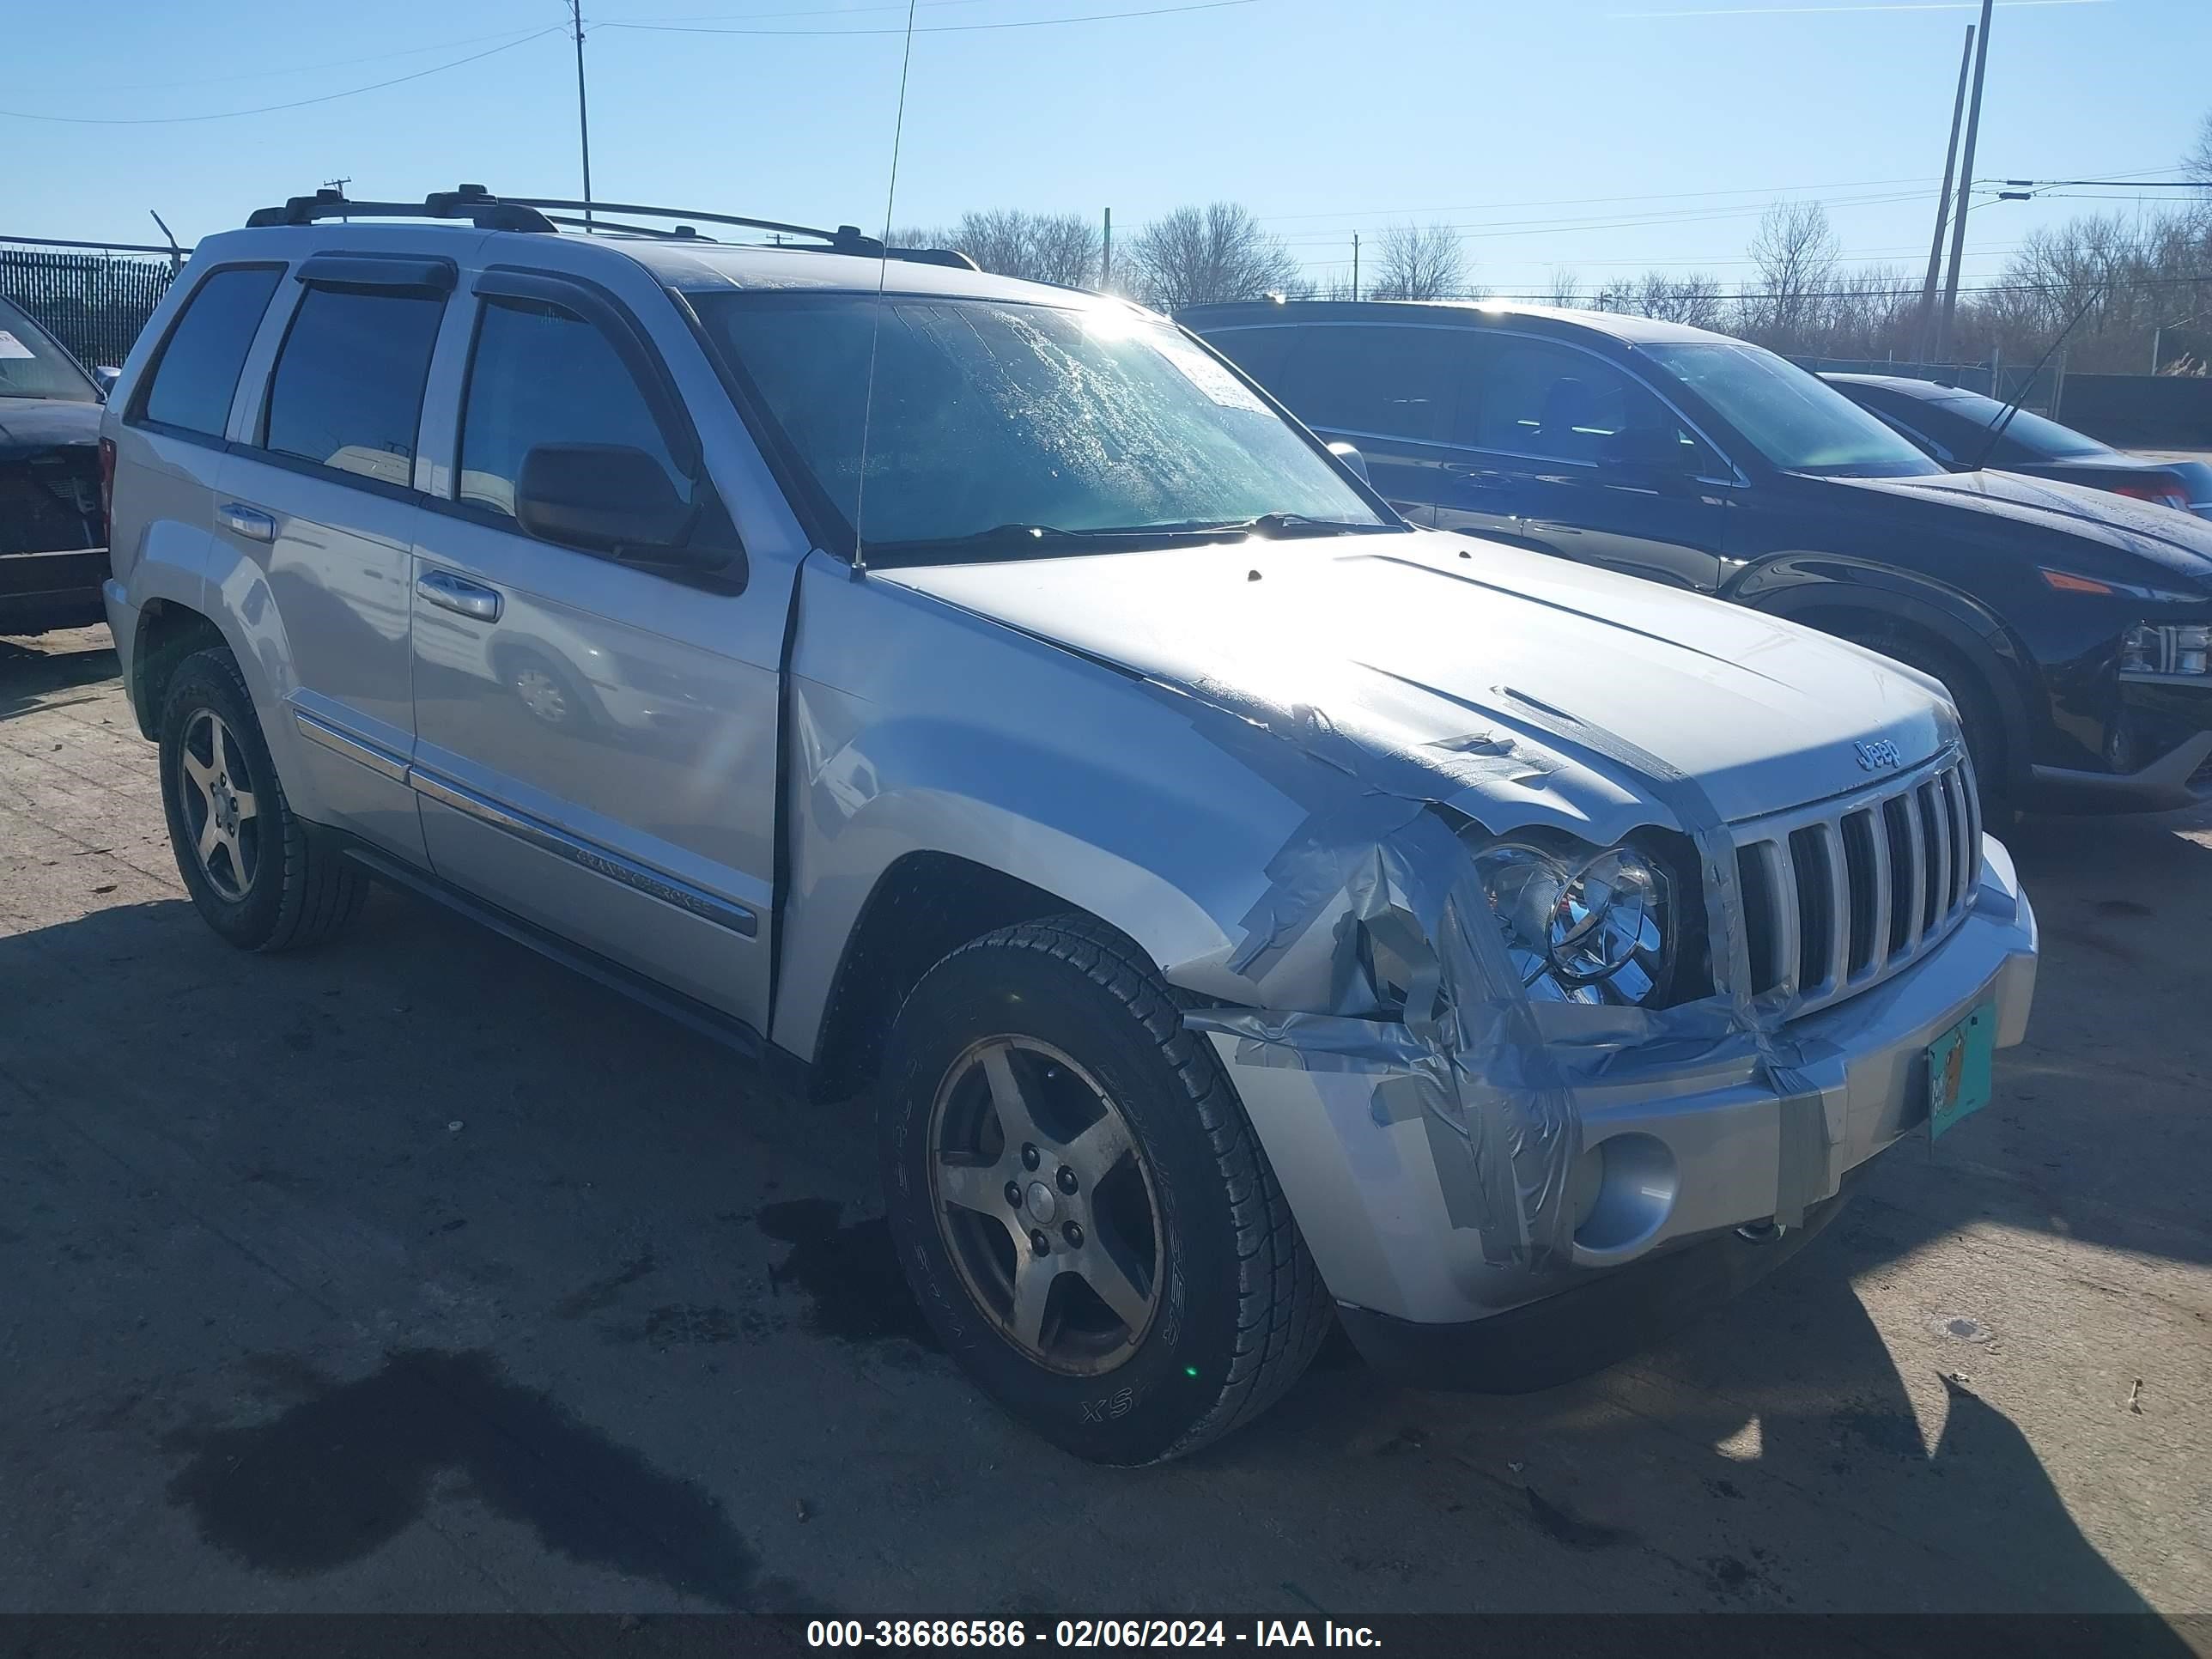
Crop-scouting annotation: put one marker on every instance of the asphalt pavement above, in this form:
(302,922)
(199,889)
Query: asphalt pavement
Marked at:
(419,1274)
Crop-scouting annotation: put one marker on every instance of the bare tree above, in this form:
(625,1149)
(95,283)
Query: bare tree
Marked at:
(1197,256)
(1042,247)
(1798,253)
(1565,289)
(1419,262)
(1695,299)
(2197,163)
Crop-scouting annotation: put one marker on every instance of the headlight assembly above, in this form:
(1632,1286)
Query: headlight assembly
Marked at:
(2161,650)
(1583,926)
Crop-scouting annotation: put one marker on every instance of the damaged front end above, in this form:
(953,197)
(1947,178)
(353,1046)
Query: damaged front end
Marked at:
(1490,1068)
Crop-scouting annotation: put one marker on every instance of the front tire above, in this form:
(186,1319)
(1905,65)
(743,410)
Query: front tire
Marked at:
(253,873)
(1083,1211)
(1980,725)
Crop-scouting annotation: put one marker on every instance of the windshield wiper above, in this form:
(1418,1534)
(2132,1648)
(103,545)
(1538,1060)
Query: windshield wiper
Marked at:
(1018,538)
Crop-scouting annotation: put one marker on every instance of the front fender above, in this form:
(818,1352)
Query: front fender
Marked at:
(1804,586)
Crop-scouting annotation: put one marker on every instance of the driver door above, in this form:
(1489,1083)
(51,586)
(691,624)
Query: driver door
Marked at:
(595,742)
(1565,453)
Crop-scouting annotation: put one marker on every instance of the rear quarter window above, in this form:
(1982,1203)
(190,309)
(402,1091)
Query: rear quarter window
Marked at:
(197,375)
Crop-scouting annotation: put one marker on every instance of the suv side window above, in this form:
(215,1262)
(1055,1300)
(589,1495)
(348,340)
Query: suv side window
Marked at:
(1393,382)
(347,390)
(1551,402)
(197,375)
(541,374)
(1259,352)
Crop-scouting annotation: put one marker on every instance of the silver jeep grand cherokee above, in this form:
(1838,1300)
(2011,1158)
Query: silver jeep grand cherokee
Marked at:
(1247,910)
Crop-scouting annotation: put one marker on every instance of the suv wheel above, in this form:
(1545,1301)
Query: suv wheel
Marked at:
(1080,1206)
(256,877)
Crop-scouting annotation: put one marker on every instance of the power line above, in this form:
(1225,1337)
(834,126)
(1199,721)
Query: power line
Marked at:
(305,68)
(941,28)
(268,109)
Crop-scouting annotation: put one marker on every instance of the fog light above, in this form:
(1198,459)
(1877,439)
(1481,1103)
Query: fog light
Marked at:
(1627,1186)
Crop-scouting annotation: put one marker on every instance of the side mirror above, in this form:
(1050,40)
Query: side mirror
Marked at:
(105,377)
(603,498)
(1350,455)
(1649,457)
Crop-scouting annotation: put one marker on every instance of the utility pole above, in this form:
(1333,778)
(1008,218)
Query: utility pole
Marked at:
(1943,202)
(1966,189)
(1355,264)
(583,115)
(1106,252)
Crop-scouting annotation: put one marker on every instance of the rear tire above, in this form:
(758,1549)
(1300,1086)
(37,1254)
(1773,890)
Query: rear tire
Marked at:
(1980,725)
(254,874)
(1044,1036)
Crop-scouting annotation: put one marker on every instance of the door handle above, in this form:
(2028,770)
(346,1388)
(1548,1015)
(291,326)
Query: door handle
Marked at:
(459,595)
(250,522)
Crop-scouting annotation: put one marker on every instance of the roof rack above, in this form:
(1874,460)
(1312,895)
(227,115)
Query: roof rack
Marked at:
(544,213)
(471,201)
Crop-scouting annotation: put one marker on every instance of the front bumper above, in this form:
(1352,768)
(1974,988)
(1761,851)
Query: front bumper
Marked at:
(1705,1142)
(2171,718)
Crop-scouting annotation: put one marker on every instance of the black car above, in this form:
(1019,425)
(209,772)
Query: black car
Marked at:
(1954,426)
(2070,626)
(53,529)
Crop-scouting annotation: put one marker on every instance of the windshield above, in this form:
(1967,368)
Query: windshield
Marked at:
(1003,427)
(1798,422)
(32,365)
(2028,436)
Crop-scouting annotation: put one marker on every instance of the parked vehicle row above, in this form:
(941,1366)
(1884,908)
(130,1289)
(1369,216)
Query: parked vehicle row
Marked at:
(1245,908)
(2068,625)
(1966,431)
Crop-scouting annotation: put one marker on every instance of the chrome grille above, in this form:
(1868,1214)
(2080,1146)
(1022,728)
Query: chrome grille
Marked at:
(1840,896)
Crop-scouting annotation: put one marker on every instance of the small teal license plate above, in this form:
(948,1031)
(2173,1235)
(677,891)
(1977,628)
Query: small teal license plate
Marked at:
(1960,1067)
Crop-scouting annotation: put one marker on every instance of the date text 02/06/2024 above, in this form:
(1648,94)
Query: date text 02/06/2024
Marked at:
(1083,1633)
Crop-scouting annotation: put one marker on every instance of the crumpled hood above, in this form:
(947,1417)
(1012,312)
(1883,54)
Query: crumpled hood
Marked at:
(1414,644)
(27,424)
(2174,541)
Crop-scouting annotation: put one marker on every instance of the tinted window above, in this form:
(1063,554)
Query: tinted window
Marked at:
(540,375)
(1397,382)
(33,366)
(1539,399)
(2028,436)
(1259,352)
(347,387)
(198,374)
(992,416)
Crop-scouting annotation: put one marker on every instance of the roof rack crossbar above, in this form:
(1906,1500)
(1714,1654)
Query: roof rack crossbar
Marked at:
(471,201)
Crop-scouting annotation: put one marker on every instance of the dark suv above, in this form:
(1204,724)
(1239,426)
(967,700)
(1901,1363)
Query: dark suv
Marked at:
(53,531)
(2070,626)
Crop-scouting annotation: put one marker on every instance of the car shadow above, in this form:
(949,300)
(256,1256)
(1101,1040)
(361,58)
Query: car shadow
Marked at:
(31,678)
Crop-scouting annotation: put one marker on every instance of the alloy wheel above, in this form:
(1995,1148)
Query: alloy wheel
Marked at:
(1046,1205)
(221,806)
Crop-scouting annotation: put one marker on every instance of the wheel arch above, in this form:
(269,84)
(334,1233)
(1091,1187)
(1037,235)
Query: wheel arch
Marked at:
(925,905)
(168,632)
(1854,600)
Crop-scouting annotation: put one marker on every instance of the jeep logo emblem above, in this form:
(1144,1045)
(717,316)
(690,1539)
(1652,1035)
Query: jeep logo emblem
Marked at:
(1877,755)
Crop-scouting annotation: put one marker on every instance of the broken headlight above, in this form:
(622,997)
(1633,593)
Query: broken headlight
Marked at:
(1581,926)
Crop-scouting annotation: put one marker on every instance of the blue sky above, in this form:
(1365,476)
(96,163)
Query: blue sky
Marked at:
(1601,135)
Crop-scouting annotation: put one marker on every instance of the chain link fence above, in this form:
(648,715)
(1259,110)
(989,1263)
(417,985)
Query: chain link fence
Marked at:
(94,301)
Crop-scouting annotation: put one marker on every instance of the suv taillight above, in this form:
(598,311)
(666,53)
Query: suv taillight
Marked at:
(107,487)
(2166,492)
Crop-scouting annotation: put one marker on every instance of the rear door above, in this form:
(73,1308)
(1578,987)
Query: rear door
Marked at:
(595,742)
(322,498)
(1563,451)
